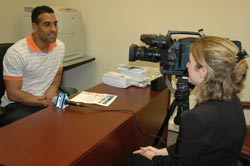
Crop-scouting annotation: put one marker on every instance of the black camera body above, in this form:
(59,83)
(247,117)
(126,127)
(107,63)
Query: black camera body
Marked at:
(170,52)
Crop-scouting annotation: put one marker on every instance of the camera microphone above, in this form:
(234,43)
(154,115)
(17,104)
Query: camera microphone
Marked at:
(62,101)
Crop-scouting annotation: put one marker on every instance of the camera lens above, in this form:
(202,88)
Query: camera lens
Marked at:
(132,52)
(143,53)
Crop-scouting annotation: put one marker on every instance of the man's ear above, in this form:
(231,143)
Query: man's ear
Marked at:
(34,27)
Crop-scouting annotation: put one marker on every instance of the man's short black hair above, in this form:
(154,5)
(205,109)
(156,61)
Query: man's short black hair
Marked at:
(40,10)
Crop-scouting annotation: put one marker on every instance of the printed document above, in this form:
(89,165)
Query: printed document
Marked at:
(94,98)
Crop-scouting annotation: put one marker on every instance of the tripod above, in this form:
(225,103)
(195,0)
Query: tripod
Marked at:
(181,101)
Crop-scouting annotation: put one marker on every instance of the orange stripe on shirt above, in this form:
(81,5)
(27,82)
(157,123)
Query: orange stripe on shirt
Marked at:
(13,78)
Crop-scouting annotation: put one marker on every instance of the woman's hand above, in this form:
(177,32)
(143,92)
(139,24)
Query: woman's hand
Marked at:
(149,152)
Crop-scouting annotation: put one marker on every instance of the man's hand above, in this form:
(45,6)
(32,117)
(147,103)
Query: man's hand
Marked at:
(43,100)
(51,92)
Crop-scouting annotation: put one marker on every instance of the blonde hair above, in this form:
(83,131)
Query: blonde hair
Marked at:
(225,75)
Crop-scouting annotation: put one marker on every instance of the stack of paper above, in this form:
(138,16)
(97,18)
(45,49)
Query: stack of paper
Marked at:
(127,75)
(117,80)
(137,73)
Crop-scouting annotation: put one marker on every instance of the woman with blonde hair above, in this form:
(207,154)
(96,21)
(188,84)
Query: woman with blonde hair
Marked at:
(212,133)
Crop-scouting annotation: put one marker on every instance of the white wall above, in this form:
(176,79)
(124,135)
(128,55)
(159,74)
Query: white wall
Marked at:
(112,25)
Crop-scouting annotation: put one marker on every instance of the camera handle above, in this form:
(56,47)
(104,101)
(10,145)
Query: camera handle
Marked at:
(181,101)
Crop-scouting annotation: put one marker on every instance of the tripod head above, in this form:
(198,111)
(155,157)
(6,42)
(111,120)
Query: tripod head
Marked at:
(181,98)
(183,89)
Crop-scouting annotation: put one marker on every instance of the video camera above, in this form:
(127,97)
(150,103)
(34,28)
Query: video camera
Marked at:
(172,53)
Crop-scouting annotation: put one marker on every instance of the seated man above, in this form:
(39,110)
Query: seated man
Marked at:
(33,68)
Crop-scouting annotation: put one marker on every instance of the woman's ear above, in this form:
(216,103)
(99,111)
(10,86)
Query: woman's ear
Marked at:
(203,72)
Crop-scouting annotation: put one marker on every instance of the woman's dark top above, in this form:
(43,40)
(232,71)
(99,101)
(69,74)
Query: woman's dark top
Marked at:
(210,135)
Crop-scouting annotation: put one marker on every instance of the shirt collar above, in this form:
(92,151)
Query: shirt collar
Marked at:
(33,47)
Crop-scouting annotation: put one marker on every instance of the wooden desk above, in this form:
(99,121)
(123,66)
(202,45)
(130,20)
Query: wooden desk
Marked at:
(81,136)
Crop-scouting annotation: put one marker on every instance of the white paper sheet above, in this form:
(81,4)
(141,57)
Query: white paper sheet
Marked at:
(94,98)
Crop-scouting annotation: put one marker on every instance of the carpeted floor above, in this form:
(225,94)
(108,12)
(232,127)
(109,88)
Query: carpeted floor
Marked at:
(172,135)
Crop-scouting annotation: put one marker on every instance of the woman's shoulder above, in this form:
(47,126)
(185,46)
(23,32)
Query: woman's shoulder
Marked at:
(210,110)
